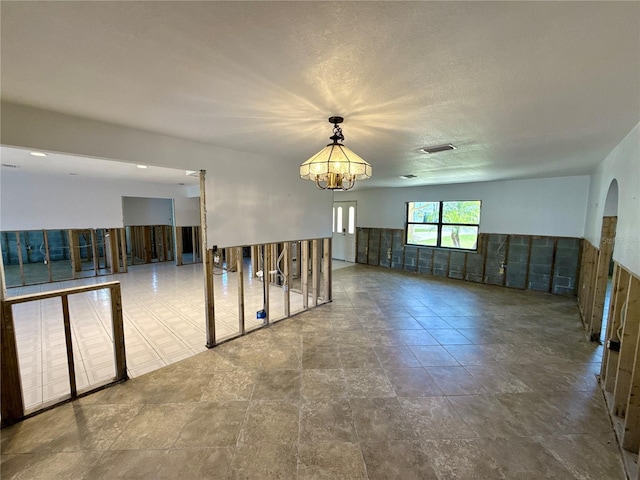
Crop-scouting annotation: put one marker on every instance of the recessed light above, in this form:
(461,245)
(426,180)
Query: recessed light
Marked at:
(73,174)
(141,166)
(438,148)
(407,177)
(38,154)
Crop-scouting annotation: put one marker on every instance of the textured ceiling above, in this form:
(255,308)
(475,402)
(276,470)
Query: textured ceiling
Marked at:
(524,89)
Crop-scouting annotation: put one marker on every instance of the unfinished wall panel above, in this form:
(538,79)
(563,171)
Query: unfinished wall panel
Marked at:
(518,261)
(373,255)
(362,245)
(386,241)
(541,264)
(560,255)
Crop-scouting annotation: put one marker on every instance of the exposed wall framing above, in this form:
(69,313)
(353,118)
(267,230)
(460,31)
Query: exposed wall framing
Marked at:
(594,276)
(546,264)
(620,372)
(151,243)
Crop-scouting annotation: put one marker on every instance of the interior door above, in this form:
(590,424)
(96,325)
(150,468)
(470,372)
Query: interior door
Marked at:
(344,231)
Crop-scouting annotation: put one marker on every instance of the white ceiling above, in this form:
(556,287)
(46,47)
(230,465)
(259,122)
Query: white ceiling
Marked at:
(16,160)
(524,89)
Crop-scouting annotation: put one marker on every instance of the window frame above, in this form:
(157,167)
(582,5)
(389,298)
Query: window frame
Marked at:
(439,226)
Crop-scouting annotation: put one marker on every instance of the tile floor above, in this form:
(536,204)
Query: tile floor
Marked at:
(163,322)
(401,377)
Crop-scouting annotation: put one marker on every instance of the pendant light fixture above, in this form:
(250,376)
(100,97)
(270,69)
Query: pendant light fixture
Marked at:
(335,167)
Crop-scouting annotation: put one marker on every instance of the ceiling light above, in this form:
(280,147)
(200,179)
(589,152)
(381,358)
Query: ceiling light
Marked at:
(407,177)
(141,166)
(335,167)
(438,148)
(38,154)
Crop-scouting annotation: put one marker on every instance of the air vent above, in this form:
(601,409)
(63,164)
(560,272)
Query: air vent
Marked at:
(438,148)
(407,177)
(8,165)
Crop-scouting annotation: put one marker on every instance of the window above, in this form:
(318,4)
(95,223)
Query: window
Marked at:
(443,224)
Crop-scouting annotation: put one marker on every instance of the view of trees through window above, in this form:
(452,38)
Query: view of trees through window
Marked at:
(444,224)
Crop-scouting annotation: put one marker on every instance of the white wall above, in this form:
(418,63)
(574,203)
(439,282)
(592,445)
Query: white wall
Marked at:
(34,202)
(147,211)
(250,198)
(623,165)
(270,205)
(548,206)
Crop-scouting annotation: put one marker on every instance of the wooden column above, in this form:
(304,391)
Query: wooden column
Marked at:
(287,278)
(315,272)
(20,261)
(326,269)
(631,435)
(73,246)
(255,255)
(179,247)
(266,254)
(94,250)
(240,273)
(123,249)
(628,348)
(11,401)
(304,272)
(602,274)
(47,256)
(618,296)
(118,332)
(207,265)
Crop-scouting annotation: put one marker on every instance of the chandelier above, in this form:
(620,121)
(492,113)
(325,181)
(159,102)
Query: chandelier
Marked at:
(335,167)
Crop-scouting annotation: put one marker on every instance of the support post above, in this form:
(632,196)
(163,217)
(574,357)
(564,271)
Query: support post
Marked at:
(207,265)
(72,253)
(304,272)
(315,274)
(123,249)
(266,251)
(11,401)
(118,332)
(239,270)
(326,269)
(47,256)
(20,261)
(69,344)
(628,348)
(287,278)
(179,247)
(631,435)
(94,251)
(602,274)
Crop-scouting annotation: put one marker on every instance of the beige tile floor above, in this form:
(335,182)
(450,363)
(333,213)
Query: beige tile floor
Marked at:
(163,322)
(401,377)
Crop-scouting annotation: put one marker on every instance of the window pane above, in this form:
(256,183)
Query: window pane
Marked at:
(424,212)
(461,212)
(352,220)
(422,235)
(339,221)
(459,237)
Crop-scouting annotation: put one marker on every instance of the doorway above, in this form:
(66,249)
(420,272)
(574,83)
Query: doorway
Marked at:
(344,231)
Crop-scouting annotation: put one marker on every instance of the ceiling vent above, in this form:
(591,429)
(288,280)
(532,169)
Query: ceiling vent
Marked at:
(8,165)
(407,177)
(438,148)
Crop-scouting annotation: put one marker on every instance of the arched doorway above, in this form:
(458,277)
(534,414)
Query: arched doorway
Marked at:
(602,272)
